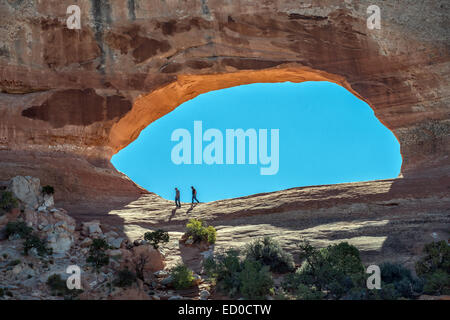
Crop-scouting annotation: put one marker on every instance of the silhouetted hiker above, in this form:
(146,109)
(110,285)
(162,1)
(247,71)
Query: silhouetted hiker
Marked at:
(177,198)
(194,195)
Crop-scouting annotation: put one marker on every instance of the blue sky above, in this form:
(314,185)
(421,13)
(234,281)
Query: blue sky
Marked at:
(326,136)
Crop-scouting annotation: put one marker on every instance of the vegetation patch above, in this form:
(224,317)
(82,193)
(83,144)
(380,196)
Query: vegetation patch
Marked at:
(156,237)
(34,242)
(235,276)
(199,231)
(97,253)
(269,252)
(434,268)
(182,277)
(58,287)
(18,228)
(329,272)
(125,278)
(7,202)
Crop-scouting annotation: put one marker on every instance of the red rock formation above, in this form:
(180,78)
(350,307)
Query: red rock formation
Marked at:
(72,98)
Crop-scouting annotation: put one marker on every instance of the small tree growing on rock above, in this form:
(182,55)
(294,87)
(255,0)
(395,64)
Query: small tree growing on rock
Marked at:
(139,262)
(33,241)
(97,253)
(125,278)
(156,237)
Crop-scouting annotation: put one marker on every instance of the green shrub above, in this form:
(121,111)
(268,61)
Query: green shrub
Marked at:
(304,292)
(224,270)
(157,237)
(33,241)
(434,268)
(336,269)
(2,292)
(404,283)
(48,189)
(97,253)
(125,278)
(255,280)
(437,256)
(437,283)
(234,276)
(19,228)
(182,277)
(198,231)
(58,287)
(269,252)
(8,201)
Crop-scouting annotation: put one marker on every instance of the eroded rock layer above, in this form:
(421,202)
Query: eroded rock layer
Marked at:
(70,99)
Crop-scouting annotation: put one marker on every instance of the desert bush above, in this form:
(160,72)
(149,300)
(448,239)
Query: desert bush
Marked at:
(336,270)
(157,237)
(234,276)
(58,287)
(269,252)
(33,241)
(224,271)
(437,256)
(434,268)
(182,277)
(402,279)
(19,228)
(255,280)
(7,201)
(304,292)
(437,283)
(125,278)
(97,253)
(199,231)
(48,189)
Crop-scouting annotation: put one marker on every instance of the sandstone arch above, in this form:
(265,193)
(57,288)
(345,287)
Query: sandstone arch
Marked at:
(72,98)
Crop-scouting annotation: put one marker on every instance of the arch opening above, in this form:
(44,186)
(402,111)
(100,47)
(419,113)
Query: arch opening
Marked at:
(326,135)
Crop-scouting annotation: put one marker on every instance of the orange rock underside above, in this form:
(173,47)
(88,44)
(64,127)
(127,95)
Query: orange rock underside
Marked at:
(153,106)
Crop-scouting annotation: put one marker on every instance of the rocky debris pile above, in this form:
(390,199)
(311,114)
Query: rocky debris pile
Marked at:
(25,276)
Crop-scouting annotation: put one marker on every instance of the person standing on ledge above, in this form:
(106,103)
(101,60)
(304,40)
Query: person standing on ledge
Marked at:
(177,198)
(194,195)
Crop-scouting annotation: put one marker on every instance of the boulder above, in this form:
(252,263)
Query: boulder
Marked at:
(86,242)
(116,243)
(91,228)
(167,281)
(60,242)
(27,190)
(161,273)
(48,201)
(151,258)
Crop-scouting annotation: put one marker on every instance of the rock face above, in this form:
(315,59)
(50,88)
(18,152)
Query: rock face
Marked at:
(73,98)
